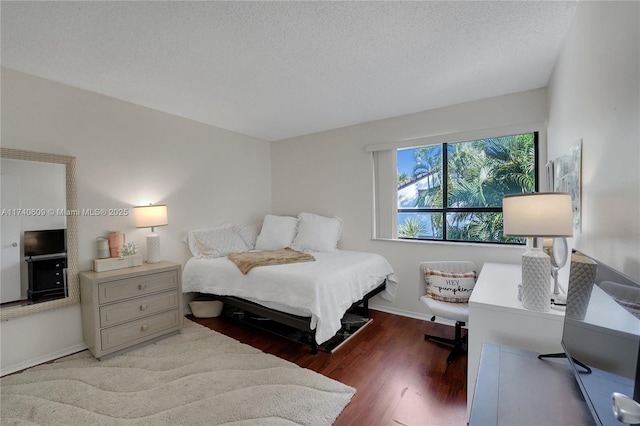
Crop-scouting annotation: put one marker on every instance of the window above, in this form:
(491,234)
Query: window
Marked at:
(452,191)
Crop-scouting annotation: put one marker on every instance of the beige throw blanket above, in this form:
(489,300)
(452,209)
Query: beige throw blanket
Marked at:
(247,260)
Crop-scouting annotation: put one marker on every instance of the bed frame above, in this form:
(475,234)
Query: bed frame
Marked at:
(295,321)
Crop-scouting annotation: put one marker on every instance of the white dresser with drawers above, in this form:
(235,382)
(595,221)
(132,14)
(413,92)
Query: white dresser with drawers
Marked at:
(131,306)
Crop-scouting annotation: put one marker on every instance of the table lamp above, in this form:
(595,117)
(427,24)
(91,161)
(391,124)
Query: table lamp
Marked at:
(149,217)
(537,215)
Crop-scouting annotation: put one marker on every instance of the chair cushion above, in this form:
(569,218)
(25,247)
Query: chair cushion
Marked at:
(454,287)
(453,311)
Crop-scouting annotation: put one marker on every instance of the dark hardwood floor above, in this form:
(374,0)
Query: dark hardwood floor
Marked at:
(400,378)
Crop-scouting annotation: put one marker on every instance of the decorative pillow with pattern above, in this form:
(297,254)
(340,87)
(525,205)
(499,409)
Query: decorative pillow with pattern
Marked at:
(455,287)
(191,240)
(249,234)
(218,242)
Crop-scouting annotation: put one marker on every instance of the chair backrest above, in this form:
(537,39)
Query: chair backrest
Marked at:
(447,266)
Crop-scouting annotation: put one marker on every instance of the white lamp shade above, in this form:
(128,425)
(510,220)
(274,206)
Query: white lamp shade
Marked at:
(544,214)
(150,216)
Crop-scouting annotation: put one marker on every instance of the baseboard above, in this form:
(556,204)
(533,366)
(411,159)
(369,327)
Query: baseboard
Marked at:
(410,314)
(42,359)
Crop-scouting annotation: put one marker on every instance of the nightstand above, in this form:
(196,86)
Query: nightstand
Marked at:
(128,307)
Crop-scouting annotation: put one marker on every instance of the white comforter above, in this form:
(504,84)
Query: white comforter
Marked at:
(323,289)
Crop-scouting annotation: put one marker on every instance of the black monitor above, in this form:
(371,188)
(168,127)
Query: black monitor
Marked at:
(602,341)
(45,242)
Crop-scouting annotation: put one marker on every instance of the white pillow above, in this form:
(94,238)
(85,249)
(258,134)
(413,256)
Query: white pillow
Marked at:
(218,242)
(190,239)
(277,232)
(249,234)
(317,233)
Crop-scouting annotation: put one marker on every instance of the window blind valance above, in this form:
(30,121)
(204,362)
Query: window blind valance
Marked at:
(458,137)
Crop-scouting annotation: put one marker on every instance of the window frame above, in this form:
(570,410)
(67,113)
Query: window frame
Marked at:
(445,209)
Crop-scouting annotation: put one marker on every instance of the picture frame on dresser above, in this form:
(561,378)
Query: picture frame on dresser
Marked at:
(130,307)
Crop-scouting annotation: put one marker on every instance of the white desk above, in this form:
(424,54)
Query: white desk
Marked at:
(496,315)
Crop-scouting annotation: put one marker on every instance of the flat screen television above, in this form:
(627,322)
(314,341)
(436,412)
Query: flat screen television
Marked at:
(45,242)
(602,341)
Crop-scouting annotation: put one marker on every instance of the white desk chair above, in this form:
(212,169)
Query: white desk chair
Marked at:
(459,312)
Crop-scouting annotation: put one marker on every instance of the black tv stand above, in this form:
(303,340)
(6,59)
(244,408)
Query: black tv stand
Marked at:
(47,280)
(563,355)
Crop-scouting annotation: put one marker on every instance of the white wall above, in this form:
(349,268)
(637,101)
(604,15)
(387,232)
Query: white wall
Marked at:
(126,155)
(594,95)
(330,173)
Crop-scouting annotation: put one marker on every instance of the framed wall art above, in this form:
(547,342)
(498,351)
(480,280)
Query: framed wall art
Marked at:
(549,174)
(567,178)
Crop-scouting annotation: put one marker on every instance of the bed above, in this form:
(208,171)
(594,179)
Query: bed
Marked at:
(310,296)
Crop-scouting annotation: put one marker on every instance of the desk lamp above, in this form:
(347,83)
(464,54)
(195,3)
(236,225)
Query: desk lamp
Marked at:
(537,215)
(149,217)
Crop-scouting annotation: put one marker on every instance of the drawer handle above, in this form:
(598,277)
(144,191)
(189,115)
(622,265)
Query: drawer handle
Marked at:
(143,307)
(144,327)
(142,286)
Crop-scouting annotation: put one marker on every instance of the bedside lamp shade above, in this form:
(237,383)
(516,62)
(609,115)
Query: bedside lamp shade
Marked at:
(537,215)
(149,217)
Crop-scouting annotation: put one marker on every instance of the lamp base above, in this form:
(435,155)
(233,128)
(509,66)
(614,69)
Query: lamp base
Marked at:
(536,280)
(153,248)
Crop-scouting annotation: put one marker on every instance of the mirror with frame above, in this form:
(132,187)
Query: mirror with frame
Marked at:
(25,307)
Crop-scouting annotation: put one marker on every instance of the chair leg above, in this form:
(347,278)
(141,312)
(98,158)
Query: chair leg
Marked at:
(440,339)
(459,342)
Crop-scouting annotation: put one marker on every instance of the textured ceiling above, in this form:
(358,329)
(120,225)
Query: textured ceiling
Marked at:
(274,70)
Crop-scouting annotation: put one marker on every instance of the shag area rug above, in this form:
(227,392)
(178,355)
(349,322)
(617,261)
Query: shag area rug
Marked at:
(198,377)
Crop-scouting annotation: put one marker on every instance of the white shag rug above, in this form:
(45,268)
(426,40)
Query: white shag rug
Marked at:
(198,377)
